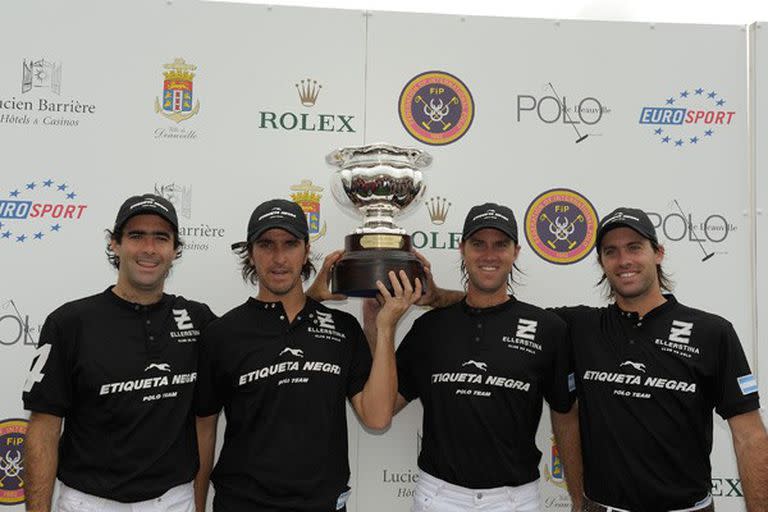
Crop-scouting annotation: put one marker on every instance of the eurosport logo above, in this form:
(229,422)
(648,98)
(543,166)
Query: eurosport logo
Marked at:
(33,212)
(688,117)
(12,435)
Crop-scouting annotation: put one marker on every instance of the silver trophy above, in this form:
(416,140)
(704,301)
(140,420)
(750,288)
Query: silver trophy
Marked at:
(380,181)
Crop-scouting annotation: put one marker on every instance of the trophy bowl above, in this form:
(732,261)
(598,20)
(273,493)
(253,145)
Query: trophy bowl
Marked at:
(379,181)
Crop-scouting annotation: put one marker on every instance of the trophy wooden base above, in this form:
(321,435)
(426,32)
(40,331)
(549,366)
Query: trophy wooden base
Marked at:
(369,258)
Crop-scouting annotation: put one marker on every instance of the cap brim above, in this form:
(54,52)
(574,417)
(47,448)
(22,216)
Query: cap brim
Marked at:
(290,229)
(621,224)
(147,211)
(477,228)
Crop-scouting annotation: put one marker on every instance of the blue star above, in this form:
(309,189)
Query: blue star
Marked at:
(62,187)
(699,91)
(39,235)
(665,139)
(720,102)
(55,227)
(658,131)
(679,142)
(670,101)
(684,94)
(694,140)
(21,238)
(15,193)
(71,195)
(7,234)
(708,133)
(711,94)
(48,183)
(31,186)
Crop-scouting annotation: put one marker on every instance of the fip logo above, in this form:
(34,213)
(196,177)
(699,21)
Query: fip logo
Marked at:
(37,210)
(12,434)
(689,117)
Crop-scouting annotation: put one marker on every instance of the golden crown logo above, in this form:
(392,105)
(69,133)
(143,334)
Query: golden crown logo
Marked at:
(438,210)
(309,90)
(307,195)
(179,70)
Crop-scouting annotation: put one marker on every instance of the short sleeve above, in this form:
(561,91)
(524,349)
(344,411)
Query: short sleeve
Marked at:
(408,362)
(211,388)
(48,388)
(559,387)
(360,367)
(736,385)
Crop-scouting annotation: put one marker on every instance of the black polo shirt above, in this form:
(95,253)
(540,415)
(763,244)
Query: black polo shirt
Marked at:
(122,376)
(481,375)
(283,388)
(646,389)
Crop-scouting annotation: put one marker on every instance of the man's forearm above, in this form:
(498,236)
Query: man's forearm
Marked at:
(41,457)
(206,444)
(751,447)
(444,298)
(380,391)
(566,430)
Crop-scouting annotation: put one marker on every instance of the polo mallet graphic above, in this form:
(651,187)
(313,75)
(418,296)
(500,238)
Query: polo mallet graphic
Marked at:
(565,113)
(701,245)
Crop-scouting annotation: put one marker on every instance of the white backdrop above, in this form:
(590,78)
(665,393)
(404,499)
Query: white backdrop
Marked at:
(251,138)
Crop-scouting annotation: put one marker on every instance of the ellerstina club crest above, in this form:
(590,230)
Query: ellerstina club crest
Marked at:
(177,92)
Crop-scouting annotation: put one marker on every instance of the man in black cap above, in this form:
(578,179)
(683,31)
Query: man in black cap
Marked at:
(281,366)
(649,371)
(481,368)
(119,367)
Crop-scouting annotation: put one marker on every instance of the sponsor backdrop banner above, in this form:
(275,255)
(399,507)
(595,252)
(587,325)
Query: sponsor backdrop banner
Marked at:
(220,106)
(563,122)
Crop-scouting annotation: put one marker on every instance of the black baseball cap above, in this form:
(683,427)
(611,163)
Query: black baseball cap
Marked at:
(632,218)
(147,203)
(490,215)
(276,213)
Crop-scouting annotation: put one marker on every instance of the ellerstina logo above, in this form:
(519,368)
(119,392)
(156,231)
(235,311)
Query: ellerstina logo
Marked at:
(307,121)
(34,212)
(40,79)
(688,117)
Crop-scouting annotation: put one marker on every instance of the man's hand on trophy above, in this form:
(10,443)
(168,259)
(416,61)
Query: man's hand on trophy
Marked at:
(403,295)
(320,289)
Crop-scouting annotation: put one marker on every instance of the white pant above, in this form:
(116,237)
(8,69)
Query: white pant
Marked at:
(178,499)
(435,495)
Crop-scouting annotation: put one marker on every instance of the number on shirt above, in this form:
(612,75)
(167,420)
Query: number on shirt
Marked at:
(36,372)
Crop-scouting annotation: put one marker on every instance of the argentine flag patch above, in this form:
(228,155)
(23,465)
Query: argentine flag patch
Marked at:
(748,384)
(571,382)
